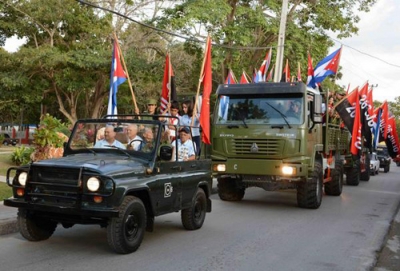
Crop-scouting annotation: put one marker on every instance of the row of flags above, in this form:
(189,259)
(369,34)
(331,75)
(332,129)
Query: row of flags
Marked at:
(168,92)
(367,125)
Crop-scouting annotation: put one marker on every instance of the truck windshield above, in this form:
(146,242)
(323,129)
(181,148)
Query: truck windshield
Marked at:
(260,110)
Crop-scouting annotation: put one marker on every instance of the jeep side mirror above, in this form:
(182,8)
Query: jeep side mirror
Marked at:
(165,152)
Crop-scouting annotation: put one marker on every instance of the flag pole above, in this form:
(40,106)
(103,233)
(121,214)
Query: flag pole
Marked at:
(200,80)
(127,75)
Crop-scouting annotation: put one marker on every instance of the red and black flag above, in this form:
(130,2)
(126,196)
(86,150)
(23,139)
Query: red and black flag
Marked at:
(356,141)
(168,93)
(392,140)
(366,119)
(346,108)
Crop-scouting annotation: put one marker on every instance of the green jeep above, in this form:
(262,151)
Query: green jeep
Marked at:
(117,188)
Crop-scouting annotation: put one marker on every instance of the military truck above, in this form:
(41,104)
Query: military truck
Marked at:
(384,157)
(260,140)
(112,186)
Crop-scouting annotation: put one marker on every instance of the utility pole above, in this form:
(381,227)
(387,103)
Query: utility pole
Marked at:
(281,42)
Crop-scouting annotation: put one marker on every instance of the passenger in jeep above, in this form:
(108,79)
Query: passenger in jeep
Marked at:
(109,139)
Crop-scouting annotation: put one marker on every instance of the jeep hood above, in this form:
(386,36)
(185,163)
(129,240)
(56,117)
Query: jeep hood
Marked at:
(108,164)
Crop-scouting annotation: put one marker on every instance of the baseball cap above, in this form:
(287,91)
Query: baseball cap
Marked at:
(152,101)
(185,129)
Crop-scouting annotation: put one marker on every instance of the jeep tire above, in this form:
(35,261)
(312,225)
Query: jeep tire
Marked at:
(34,228)
(353,174)
(125,232)
(193,217)
(309,193)
(229,189)
(386,168)
(335,186)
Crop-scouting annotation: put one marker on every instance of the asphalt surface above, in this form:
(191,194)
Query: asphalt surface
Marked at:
(388,259)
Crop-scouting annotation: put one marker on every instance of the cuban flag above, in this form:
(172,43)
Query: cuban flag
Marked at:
(262,72)
(327,66)
(230,78)
(310,73)
(118,76)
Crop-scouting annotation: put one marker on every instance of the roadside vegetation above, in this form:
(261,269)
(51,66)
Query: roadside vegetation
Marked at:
(5,163)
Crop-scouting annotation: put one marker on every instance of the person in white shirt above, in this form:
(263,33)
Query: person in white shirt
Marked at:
(186,119)
(134,141)
(185,146)
(109,139)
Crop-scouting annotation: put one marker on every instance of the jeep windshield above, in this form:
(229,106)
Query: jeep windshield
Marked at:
(257,109)
(122,136)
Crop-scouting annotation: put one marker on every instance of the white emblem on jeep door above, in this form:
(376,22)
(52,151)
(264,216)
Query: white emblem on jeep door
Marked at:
(168,190)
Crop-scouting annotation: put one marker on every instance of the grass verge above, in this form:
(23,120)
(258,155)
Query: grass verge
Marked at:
(5,191)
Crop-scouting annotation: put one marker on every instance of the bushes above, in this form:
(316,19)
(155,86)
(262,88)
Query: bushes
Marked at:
(22,155)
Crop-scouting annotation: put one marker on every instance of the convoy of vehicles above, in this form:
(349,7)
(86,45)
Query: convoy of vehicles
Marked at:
(119,189)
(258,141)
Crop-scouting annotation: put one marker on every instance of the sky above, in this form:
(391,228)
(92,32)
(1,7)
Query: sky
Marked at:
(373,55)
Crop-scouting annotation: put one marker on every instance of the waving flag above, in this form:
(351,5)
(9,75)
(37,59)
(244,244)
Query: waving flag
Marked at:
(385,118)
(206,79)
(327,66)
(168,92)
(299,72)
(230,78)
(356,132)
(392,140)
(118,76)
(270,74)
(346,108)
(243,78)
(262,72)
(366,119)
(286,73)
(377,122)
(310,73)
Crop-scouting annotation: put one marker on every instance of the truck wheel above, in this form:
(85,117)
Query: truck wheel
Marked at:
(309,193)
(353,174)
(365,176)
(335,186)
(229,190)
(398,164)
(193,217)
(34,229)
(125,232)
(386,169)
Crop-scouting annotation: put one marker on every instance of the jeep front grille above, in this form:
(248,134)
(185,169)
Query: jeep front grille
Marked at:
(59,186)
(242,146)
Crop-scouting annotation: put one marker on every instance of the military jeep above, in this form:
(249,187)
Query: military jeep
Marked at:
(118,188)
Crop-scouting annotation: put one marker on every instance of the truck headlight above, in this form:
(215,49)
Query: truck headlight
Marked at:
(287,170)
(22,177)
(93,184)
(219,168)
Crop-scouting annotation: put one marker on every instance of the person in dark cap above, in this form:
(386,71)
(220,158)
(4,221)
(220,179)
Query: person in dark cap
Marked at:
(186,151)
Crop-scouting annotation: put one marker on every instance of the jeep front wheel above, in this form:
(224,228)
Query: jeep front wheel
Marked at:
(229,189)
(309,193)
(193,217)
(125,232)
(33,228)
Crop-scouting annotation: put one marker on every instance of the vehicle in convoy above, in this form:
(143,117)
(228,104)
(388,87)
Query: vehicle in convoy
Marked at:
(384,158)
(119,189)
(8,140)
(374,163)
(275,136)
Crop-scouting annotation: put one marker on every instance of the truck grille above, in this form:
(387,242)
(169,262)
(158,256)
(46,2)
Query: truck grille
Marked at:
(59,186)
(257,146)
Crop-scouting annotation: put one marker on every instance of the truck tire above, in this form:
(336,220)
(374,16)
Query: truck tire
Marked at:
(335,186)
(34,229)
(125,232)
(398,164)
(309,193)
(365,176)
(386,168)
(229,190)
(193,217)
(353,174)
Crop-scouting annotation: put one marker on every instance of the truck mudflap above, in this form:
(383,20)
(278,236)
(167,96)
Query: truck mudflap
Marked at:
(260,167)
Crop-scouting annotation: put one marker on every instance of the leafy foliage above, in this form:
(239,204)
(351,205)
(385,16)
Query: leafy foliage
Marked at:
(22,155)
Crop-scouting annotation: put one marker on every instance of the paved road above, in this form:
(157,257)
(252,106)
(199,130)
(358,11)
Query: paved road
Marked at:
(265,231)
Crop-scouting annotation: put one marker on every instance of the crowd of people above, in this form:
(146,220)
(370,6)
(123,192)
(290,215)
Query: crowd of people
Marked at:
(181,129)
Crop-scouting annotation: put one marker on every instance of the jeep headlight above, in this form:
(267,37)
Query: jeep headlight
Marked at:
(93,184)
(287,170)
(22,177)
